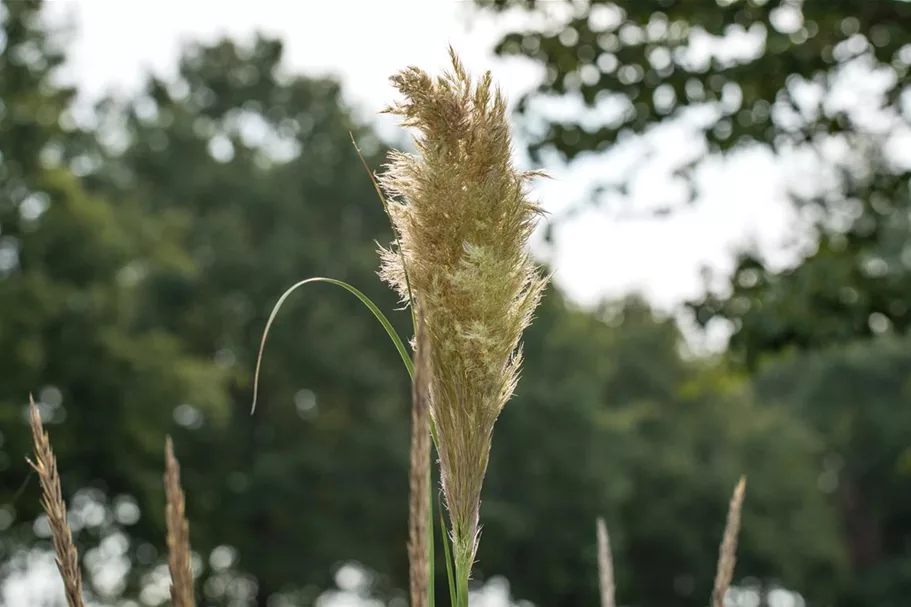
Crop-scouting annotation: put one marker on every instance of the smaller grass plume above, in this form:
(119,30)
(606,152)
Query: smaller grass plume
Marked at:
(605,566)
(419,513)
(178,533)
(727,553)
(45,465)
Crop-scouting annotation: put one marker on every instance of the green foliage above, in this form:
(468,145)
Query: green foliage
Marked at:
(657,444)
(146,254)
(74,281)
(661,60)
(856,397)
(854,284)
(828,313)
(262,169)
(634,54)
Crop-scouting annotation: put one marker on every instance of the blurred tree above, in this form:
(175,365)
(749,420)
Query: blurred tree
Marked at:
(231,183)
(312,481)
(260,167)
(746,60)
(857,397)
(610,421)
(73,275)
(854,283)
(824,85)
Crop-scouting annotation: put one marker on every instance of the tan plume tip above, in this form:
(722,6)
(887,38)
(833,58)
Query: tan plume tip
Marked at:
(727,555)
(178,533)
(419,503)
(605,566)
(45,465)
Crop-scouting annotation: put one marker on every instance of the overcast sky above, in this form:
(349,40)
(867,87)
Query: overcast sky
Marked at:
(365,42)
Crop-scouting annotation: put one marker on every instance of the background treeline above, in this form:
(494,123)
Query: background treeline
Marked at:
(141,252)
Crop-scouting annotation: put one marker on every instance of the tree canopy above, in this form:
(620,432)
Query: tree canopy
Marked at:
(141,254)
(821,83)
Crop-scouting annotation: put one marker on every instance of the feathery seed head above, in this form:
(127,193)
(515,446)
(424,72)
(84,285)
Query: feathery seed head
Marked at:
(463,219)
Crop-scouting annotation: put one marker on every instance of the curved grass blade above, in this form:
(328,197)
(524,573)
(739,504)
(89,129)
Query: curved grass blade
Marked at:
(409,366)
(431,598)
(396,340)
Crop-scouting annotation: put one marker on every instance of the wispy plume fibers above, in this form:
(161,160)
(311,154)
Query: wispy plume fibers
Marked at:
(463,218)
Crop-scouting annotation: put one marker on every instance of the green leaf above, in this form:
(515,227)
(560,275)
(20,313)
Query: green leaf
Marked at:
(396,340)
(431,587)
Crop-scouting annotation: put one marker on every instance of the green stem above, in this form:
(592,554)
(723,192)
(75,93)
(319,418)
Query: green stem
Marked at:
(431,557)
(463,573)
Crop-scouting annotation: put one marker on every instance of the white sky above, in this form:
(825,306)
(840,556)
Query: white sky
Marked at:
(365,42)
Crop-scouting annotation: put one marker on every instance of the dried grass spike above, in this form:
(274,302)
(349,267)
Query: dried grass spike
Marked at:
(45,465)
(419,503)
(605,566)
(178,533)
(727,556)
